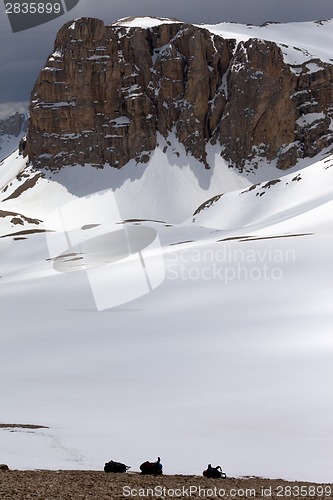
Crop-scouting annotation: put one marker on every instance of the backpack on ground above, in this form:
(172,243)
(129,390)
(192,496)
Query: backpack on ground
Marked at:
(152,468)
(214,472)
(115,467)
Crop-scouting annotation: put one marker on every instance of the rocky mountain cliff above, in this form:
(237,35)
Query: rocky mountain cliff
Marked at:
(107,91)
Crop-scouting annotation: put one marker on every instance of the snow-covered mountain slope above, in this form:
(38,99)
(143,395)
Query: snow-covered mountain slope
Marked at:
(282,202)
(170,187)
(228,358)
(299,41)
(24,193)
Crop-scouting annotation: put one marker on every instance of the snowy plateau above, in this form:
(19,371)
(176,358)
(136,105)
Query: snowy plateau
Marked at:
(182,312)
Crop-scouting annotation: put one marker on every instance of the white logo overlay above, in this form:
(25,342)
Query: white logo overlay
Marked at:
(27,14)
(123,261)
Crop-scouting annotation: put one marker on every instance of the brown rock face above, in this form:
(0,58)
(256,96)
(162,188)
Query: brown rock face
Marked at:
(259,89)
(106,91)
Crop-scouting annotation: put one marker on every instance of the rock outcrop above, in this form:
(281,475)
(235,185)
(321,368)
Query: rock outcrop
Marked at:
(106,91)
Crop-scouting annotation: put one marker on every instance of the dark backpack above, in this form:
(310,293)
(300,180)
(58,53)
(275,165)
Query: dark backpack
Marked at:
(152,468)
(214,472)
(115,467)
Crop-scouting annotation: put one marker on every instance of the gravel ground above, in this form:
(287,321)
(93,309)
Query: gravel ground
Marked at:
(63,485)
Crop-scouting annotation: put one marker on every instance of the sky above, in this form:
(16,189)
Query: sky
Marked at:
(23,54)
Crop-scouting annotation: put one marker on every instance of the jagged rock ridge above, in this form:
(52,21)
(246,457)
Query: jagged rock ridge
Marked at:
(13,125)
(106,91)
(12,129)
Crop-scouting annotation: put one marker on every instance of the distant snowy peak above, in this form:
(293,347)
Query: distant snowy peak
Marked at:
(12,129)
(253,92)
(14,125)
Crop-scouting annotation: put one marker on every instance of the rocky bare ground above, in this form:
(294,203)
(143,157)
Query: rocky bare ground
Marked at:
(65,485)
